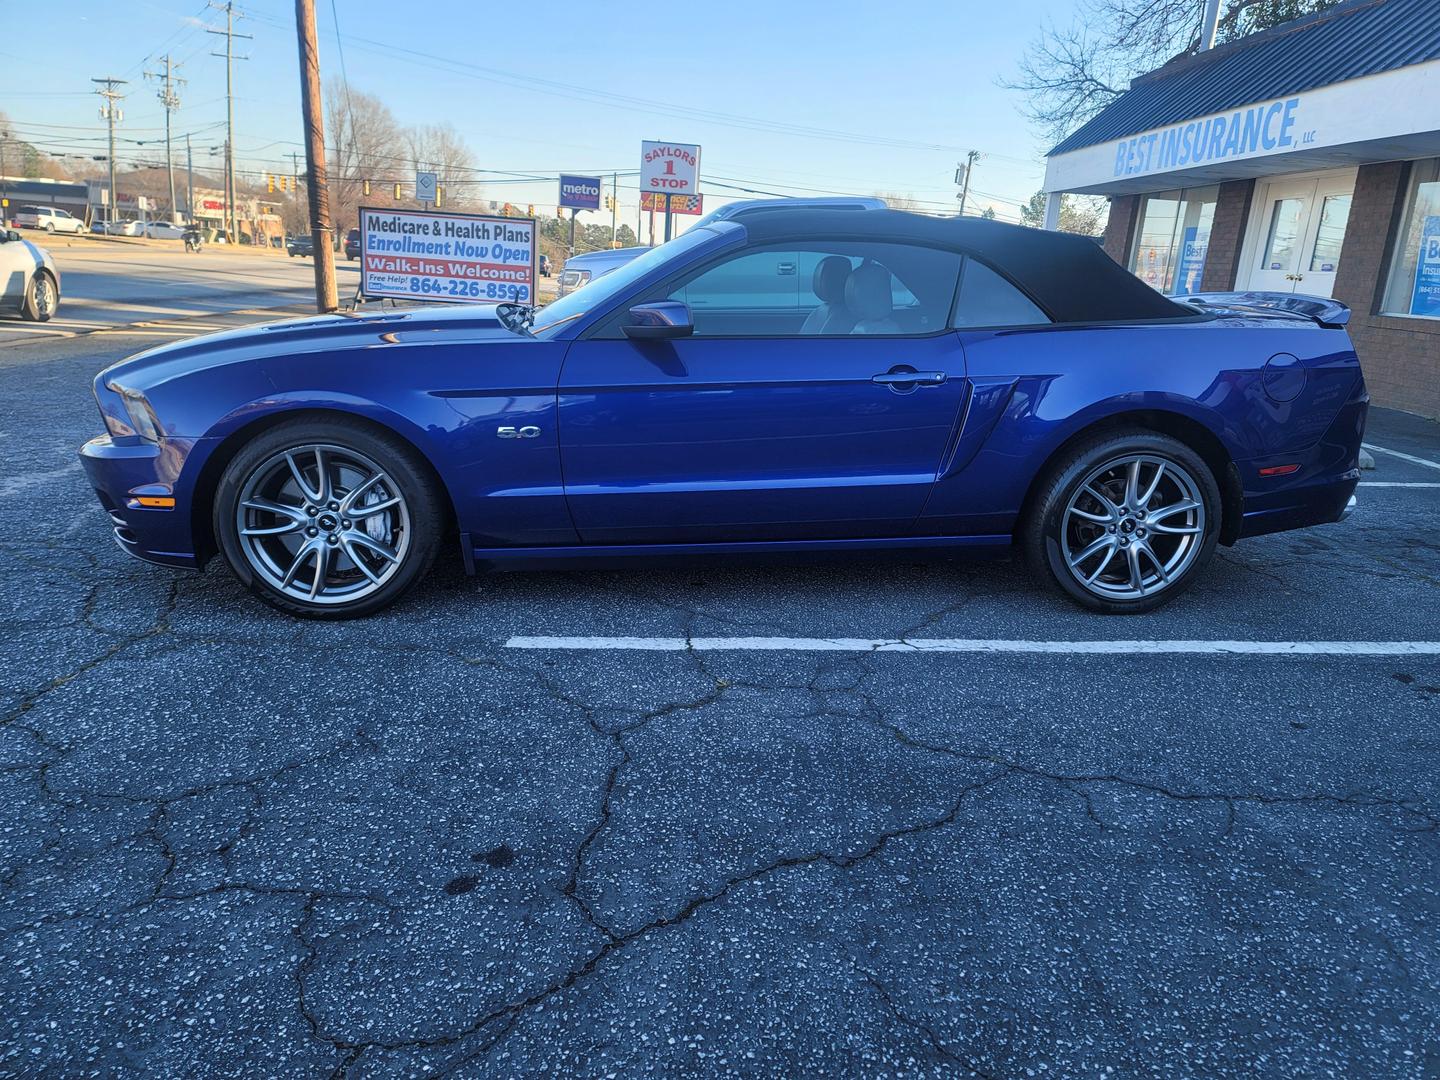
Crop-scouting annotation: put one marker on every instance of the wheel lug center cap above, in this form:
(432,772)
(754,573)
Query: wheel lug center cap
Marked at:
(326,522)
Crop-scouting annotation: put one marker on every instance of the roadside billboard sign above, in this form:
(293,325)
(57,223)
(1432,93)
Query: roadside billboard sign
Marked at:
(454,258)
(679,204)
(426,185)
(580,192)
(672,168)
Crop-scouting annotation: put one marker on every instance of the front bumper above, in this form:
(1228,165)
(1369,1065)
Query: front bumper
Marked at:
(138,486)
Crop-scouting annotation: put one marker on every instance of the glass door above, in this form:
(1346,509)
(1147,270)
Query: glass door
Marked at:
(1282,236)
(1302,229)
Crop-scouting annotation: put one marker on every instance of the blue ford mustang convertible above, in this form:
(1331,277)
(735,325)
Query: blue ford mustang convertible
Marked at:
(799,380)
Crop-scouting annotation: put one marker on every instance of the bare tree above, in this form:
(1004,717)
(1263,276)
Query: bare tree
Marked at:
(441,149)
(368,145)
(1070,73)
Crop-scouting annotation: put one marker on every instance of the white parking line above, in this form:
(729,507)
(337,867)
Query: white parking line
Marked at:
(1403,457)
(980,645)
(1396,483)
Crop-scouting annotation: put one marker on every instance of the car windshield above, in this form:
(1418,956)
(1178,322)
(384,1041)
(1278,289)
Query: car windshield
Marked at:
(602,290)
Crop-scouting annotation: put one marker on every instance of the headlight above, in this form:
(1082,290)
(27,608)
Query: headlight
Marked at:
(142,416)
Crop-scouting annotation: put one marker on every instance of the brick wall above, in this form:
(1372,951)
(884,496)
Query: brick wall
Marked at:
(1401,356)
(1120,227)
(1227,233)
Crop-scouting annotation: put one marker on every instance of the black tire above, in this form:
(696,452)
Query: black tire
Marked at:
(42,298)
(422,498)
(50,227)
(1040,533)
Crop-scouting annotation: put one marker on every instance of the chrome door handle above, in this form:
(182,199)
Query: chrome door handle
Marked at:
(910,378)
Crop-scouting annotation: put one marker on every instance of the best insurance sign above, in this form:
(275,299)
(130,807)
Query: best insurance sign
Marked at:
(670,168)
(461,258)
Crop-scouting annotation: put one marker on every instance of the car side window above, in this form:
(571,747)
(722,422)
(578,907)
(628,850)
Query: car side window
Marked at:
(987,299)
(832,289)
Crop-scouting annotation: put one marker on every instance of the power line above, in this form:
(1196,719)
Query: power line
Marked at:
(229,54)
(171,101)
(111,113)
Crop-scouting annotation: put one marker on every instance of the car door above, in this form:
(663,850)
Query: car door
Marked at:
(753,428)
(17,266)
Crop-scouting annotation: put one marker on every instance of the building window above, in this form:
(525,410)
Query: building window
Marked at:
(1413,288)
(1172,238)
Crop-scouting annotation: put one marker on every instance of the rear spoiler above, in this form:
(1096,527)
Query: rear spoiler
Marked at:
(1328,313)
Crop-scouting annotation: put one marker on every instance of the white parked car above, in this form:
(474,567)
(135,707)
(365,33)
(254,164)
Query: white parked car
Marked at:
(29,282)
(123,228)
(164,230)
(50,218)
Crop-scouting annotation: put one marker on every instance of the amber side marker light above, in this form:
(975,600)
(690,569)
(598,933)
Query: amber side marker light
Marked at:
(153,502)
(1276,470)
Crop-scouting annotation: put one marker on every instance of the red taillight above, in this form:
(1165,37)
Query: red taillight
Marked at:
(1279,470)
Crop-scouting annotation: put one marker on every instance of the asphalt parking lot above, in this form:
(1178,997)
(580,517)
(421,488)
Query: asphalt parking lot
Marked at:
(461,839)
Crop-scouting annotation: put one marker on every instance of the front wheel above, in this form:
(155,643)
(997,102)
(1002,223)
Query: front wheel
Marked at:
(1124,522)
(41,299)
(328,519)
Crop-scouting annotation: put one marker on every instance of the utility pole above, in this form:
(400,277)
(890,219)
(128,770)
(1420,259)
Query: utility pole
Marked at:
(317,182)
(171,101)
(110,113)
(962,177)
(229,54)
(615,210)
(189,182)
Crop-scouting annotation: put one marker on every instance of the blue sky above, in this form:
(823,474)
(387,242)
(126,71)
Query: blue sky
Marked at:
(914,83)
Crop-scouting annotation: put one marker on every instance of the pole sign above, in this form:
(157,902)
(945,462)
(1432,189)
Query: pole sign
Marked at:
(679,204)
(426,185)
(1425,298)
(456,258)
(670,168)
(580,192)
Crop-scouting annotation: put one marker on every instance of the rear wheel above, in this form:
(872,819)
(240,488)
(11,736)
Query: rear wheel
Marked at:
(328,519)
(41,299)
(1125,521)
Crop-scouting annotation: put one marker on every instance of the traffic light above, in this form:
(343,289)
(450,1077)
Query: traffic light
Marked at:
(530,210)
(609,202)
(397,192)
(283,181)
(560,212)
(365,188)
(270,184)
(439,197)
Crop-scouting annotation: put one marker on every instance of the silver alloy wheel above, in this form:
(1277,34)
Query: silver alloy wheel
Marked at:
(323,523)
(44,296)
(1133,526)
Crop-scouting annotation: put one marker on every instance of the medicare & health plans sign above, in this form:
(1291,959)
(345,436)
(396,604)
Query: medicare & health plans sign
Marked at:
(459,258)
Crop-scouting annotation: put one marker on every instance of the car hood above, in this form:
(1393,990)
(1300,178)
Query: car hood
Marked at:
(293,339)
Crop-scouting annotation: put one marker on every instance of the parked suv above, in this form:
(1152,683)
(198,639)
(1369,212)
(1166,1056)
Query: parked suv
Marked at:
(50,218)
(352,244)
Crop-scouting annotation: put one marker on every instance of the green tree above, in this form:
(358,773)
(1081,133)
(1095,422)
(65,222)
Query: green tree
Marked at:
(1083,214)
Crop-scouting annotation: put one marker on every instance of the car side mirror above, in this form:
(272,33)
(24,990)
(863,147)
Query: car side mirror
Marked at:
(11,236)
(660,320)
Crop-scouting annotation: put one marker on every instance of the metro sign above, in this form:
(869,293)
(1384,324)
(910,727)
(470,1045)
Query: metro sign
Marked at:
(671,168)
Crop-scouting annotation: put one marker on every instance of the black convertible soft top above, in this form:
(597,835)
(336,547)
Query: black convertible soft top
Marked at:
(1070,277)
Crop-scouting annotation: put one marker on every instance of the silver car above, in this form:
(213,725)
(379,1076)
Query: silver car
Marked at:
(29,282)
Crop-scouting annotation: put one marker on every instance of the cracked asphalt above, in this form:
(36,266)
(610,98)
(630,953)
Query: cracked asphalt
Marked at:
(238,845)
